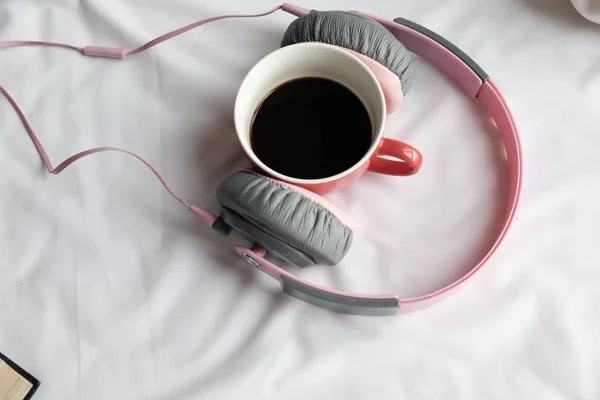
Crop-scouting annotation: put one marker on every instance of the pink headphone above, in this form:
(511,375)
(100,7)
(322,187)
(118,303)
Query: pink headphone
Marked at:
(254,219)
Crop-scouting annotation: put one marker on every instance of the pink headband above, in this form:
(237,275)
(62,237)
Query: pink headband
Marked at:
(417,39)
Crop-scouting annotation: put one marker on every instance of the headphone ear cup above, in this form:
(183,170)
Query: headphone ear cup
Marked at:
(389,82)
(357,33)
(299,218)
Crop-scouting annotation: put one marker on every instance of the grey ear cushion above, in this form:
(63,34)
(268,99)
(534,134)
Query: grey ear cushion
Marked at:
(354,32)
(287,215)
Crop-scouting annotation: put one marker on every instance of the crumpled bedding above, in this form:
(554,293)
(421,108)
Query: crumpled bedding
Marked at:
(111,290)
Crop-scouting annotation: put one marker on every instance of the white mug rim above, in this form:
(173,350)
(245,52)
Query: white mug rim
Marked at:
(376,137)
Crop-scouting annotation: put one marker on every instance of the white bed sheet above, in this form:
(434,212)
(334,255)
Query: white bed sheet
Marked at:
(109,289)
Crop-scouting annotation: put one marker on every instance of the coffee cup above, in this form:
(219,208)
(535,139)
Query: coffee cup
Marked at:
(318,60)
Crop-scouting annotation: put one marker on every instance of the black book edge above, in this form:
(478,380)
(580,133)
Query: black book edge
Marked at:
(24,374)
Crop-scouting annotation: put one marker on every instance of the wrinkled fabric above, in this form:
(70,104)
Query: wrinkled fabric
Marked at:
(357,33)
(111,290)
(288,215)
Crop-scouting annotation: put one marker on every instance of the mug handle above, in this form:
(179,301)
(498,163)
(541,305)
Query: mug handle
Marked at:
(411,159)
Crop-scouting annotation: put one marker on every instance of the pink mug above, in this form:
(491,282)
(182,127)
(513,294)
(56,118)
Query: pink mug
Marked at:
(325,61)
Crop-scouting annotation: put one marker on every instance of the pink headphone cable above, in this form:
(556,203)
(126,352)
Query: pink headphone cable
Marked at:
(110,52)
(427,44)
(113,52)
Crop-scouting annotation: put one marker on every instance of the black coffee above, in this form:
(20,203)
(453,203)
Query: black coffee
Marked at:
(311,128)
